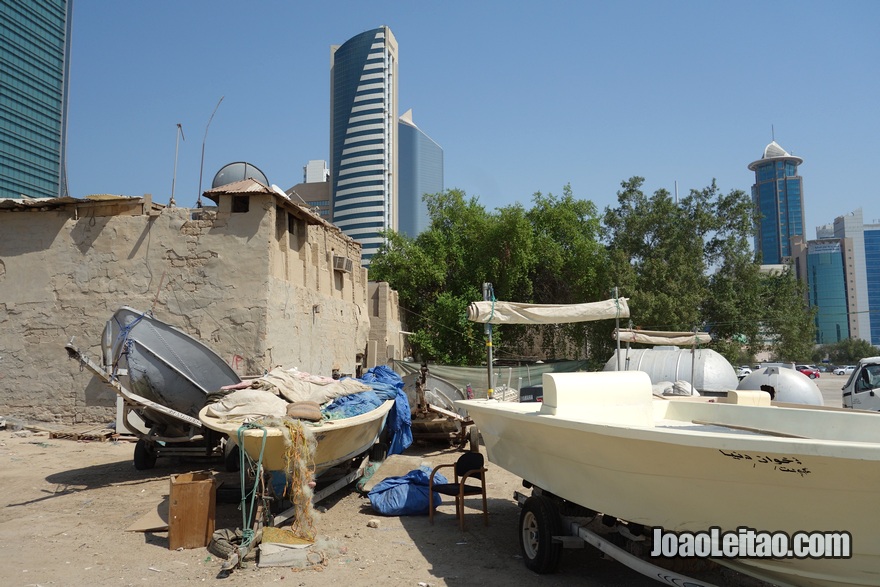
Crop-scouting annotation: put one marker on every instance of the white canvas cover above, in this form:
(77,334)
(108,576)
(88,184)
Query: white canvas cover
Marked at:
(521,313)
(658,337)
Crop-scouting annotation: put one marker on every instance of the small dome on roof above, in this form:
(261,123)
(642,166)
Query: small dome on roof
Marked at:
(774,151)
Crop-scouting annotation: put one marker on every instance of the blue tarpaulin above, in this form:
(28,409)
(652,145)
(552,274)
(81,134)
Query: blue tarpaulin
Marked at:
(406,495)
(387,385)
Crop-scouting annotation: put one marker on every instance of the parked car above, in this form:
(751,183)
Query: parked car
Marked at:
(808,370)
(742,371)
(845,370)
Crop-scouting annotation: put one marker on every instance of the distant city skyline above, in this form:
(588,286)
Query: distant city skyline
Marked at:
(684,100)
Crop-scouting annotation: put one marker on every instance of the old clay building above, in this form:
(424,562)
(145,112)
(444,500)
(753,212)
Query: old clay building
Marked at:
(258,278)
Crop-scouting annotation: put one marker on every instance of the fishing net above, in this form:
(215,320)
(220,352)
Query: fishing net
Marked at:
(299,459)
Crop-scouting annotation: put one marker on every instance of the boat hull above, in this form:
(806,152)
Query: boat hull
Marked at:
(163,364)
(662,465)
(337,440)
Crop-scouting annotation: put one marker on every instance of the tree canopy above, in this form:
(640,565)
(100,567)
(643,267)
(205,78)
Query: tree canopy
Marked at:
(684,264)
(847,351)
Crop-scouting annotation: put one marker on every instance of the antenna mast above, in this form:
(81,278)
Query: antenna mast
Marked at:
(174,177)
(202,165)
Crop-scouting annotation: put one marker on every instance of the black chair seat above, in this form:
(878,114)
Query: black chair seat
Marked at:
(468,467)
(455,488)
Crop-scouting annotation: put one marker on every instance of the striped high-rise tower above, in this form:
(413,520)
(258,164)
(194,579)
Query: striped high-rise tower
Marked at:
(363,137)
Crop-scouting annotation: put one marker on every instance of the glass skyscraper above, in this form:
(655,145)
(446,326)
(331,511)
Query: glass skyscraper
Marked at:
(826,271)
(779,197)
(421,172)
(34,67)
(872,266)
(363,137)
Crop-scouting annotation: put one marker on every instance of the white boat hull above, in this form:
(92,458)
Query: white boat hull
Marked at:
(337,440)
(656,462)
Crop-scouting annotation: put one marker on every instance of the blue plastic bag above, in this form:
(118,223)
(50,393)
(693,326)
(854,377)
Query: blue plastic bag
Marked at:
(404,496)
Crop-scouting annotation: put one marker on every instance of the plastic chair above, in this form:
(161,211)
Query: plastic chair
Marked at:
(469,466)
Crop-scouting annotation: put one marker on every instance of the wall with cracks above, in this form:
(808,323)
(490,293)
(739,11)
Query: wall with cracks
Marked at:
(258,278)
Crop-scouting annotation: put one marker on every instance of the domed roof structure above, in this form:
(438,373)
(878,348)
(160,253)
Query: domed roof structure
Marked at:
(774,151)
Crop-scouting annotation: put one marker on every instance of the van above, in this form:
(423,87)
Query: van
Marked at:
(862,389)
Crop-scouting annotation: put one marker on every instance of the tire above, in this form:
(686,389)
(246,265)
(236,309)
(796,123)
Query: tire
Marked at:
(378,452)
(232,462)
(539,522)
(813,375)
(474,436)
(144,455)
(225,542)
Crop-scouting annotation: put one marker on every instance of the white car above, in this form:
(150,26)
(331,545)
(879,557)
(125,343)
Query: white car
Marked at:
(844,370)
(742,372)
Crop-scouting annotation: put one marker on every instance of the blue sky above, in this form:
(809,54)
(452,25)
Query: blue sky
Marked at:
(522,97)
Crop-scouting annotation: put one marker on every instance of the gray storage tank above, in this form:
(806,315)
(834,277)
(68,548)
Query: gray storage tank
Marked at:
(705,369)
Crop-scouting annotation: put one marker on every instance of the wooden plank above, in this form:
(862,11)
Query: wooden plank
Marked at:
(83,433)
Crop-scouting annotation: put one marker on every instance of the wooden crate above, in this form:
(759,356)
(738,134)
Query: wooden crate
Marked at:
(191,510)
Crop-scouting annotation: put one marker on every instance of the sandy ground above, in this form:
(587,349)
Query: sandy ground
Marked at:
(66,506)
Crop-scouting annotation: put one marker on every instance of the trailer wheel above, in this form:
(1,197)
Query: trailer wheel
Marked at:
(474,435)
(144,455)
(539,522)
(232,461)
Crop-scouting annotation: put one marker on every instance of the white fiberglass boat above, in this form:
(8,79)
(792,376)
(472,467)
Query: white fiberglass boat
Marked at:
(337,440)
(603,441)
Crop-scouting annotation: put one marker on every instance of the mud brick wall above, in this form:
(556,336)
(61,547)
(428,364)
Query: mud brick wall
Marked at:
(257,285)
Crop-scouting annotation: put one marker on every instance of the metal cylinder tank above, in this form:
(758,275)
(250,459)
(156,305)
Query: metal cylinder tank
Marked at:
(705,369)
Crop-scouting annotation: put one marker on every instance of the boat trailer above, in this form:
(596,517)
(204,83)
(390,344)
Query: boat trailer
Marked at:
(432,406)
(198,442)
(549,524)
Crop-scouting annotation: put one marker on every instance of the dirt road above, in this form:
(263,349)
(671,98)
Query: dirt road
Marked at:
(66,506)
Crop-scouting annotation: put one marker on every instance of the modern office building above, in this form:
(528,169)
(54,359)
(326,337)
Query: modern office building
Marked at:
(316,171)
(34,74)
(314,191)
(872,275)
(866,263)
(826,265)
(842,271)
(420,169)
(363,137)
(779,196)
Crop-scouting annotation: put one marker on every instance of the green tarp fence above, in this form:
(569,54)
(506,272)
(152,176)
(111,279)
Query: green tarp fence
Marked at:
(514,377)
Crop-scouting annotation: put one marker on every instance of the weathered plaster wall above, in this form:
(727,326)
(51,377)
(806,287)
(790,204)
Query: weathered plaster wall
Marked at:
(257,294)
(385,324)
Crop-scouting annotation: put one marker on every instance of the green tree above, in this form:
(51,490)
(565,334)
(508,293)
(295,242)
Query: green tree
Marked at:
(548,254)
(658,256)
(734,307)
(437,274)
(846,351)
(683,264)
(788,322)
(569,268)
